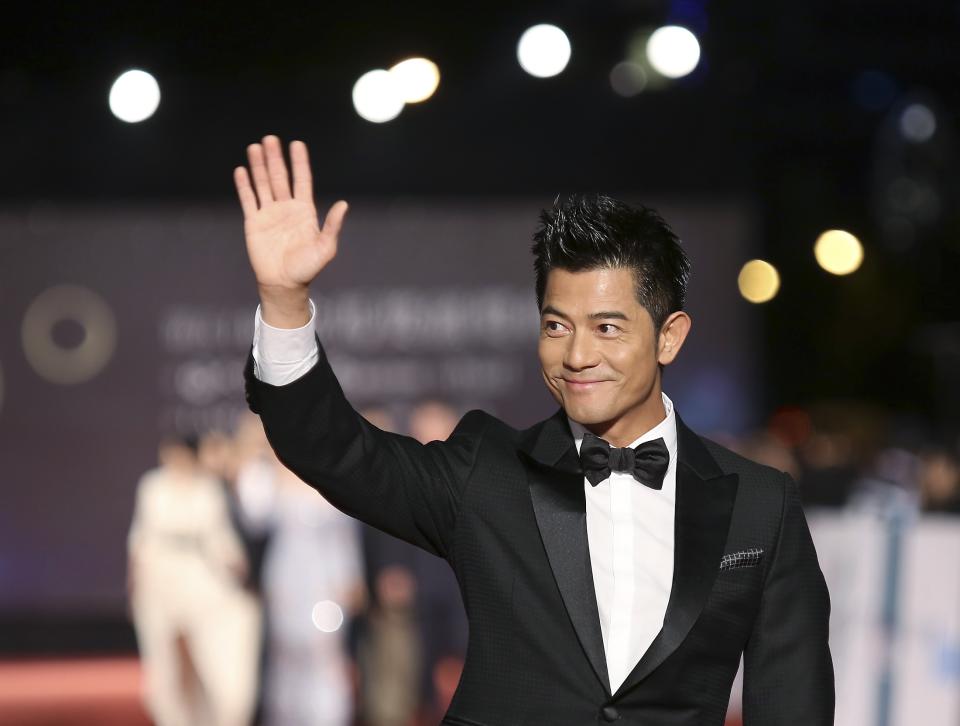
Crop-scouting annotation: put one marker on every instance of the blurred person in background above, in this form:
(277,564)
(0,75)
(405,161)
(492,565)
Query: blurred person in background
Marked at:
(256,466)
(222,456)
(254,463)
(442,618)
(197,627)
(764,447)
(312,586)
(249,440)
(390,653)
(380,550)
(432,420)
(215,454)
(938,481)
(217,457)
(841,446)
(389,636)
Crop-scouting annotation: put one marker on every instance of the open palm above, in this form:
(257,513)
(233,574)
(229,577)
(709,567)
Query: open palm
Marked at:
(285,242)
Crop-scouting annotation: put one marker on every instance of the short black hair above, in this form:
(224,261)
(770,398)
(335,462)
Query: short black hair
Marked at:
(189,440)
(588,232)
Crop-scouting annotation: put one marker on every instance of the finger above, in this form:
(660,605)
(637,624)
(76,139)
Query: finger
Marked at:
(248,200)
(276,168)
(258,169)
(302,178)
(334,219)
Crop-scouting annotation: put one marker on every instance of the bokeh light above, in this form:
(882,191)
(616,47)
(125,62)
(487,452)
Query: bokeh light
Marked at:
(758,281)
(68,364)
(134,96)
(918,123)
(628,78)
(543,51)
(673,51)
(838,252)
(327,616)
(377,97)
(416,79)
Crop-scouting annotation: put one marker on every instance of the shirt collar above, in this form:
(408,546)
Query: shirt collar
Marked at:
(666,429)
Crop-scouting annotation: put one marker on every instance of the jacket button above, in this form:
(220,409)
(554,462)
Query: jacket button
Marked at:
(610,713)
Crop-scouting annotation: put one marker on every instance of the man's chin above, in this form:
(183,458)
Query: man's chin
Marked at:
(587,415)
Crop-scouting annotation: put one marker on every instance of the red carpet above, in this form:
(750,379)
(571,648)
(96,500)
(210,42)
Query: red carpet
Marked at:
(101,691)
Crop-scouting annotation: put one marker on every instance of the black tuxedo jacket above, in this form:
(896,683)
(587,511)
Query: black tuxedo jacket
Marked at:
(506,509)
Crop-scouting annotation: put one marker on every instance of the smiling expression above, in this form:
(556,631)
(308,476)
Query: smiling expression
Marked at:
(600,354)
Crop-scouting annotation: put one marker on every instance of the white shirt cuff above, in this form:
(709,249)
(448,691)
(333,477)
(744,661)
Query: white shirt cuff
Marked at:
(281,355)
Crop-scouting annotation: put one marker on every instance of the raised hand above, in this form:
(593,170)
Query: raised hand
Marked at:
(286,245)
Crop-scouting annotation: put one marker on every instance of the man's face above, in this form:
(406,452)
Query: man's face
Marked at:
(599,351)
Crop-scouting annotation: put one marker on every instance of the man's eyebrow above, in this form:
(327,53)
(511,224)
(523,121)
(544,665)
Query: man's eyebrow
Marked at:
(603,314)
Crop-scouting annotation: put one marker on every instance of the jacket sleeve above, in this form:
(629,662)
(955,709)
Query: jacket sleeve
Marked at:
(788,671)
(390,481)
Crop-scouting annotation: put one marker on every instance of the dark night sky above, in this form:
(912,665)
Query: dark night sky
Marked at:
(773,114)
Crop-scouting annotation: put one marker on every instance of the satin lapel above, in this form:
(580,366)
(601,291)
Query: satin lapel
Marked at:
(704,504)
(556,490)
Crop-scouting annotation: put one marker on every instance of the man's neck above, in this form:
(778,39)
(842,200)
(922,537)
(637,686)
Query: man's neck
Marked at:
(626,429)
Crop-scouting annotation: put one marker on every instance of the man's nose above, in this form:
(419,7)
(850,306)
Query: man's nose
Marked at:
(581,352)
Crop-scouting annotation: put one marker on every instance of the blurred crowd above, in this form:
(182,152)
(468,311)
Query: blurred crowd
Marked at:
(855,455)
(255,601)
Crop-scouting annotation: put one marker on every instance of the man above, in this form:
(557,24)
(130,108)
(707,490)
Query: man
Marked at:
(601,584)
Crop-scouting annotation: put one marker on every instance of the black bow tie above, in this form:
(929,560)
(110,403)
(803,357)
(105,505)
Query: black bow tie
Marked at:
(647,462)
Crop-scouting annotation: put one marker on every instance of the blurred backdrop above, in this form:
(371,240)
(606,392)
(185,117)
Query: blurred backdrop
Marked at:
(806,155)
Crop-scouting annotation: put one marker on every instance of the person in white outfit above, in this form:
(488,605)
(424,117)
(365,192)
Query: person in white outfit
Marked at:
(312,584)
(197,628)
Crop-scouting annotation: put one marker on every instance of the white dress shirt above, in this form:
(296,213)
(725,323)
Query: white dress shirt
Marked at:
(630,535)
(629,525)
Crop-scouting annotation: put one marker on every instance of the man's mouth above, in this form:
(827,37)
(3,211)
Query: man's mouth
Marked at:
(582,385)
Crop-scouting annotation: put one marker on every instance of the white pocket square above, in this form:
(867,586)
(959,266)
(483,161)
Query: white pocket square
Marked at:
(743,558)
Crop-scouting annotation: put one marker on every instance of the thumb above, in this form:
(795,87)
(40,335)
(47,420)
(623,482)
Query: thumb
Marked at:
(334,219)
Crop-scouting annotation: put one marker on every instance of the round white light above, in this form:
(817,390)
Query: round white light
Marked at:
(543,50)
(376,96)
(917,123)
(327,616)
(416,79)
(673,51)
(134,96)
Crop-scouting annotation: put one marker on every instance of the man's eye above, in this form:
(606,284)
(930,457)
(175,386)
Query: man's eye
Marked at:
(613,328)
(550,323)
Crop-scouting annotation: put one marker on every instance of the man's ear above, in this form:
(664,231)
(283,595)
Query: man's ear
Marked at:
(672,334)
